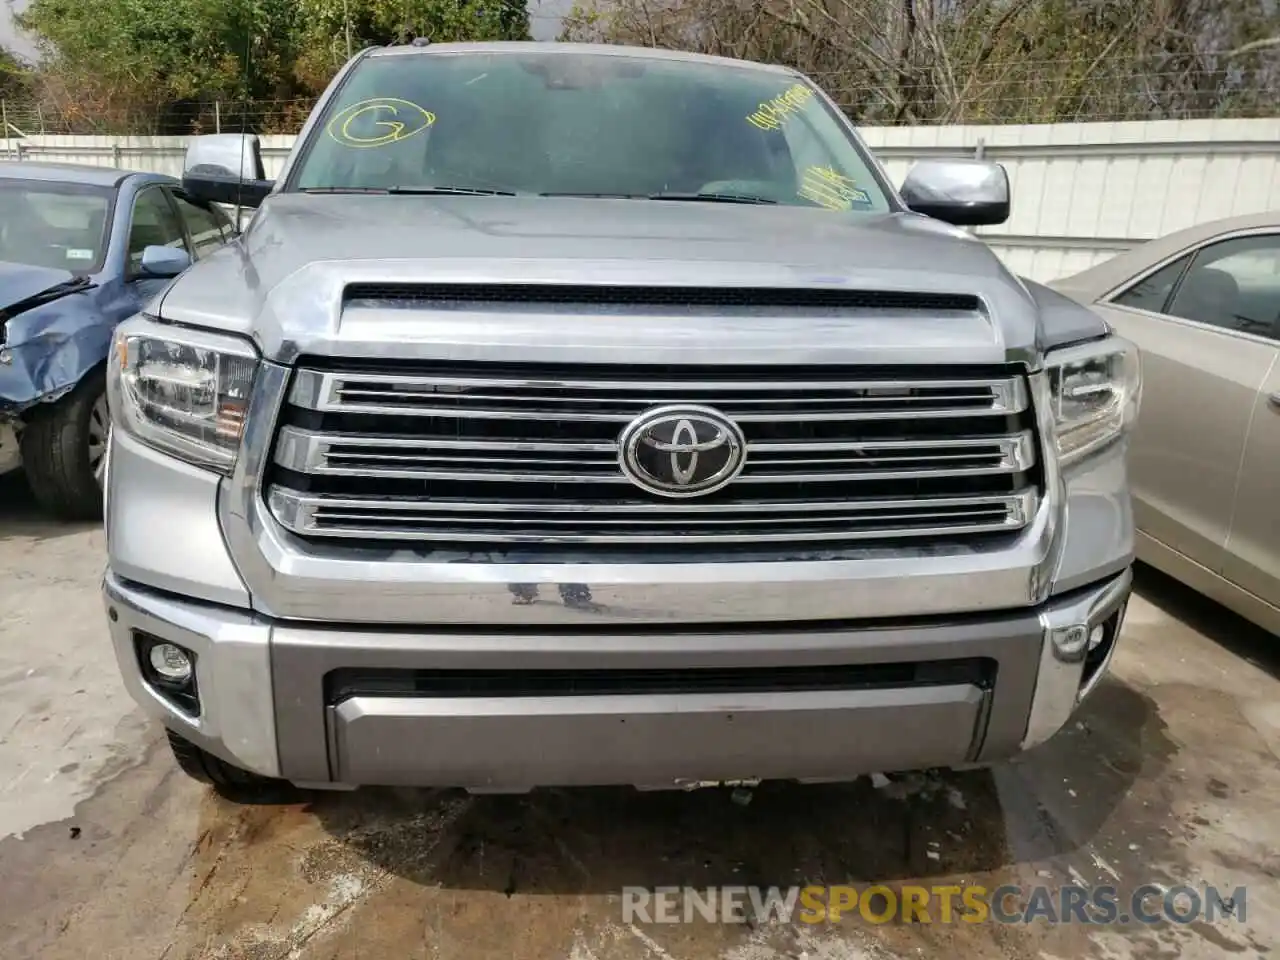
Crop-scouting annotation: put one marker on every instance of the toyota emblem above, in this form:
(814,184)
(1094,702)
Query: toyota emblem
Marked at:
(681,451)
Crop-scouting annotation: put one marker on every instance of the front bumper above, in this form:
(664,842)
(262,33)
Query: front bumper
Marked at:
(509,709)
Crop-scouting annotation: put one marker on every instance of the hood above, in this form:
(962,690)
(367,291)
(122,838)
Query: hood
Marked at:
(53,330)
(19,282)
(282,282)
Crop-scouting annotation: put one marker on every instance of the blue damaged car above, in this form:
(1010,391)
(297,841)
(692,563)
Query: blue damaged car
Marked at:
(81,249)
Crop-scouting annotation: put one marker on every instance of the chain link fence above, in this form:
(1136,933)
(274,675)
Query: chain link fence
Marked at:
(1022,91)
(30,118)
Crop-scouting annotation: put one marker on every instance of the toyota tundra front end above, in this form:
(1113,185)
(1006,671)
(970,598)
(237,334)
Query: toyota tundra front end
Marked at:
(508,449)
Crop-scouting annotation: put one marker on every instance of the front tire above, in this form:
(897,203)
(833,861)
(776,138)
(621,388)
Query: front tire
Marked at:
(228,780)
(64,450)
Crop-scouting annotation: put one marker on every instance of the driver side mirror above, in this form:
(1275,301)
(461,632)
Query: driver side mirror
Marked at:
(966,193)
(164,262)
(225,168)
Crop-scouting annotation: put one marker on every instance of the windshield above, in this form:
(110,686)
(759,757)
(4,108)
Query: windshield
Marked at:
(591,124)
(49,224)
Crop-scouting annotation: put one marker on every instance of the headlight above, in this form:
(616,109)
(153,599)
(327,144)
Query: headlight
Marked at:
(1095,390)
(182,391)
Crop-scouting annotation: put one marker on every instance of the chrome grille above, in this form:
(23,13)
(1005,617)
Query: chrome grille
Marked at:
(484,454)
(618,401)
(429,458)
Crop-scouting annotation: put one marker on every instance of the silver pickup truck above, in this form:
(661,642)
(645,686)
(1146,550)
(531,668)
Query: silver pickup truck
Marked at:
(579,415)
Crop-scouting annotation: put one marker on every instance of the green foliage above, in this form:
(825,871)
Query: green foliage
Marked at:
(324,27)
(148,67)
(15,76)
(143,67)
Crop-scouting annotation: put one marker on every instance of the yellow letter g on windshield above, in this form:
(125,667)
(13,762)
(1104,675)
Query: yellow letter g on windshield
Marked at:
(379,122)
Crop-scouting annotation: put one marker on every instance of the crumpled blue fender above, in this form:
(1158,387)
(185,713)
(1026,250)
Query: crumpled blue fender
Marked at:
(49,349)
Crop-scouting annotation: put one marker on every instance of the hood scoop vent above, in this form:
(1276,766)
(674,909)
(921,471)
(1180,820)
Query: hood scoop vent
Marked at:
(448,294)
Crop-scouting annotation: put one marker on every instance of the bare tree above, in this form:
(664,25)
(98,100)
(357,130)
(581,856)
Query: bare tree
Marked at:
(984,61)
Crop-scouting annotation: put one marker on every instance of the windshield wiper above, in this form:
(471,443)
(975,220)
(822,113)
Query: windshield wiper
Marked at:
(712,197)
(70,286)
(599,196)
(457,191)
(381,190)
(47,295)
(688,197)
(415,191)
(486,192)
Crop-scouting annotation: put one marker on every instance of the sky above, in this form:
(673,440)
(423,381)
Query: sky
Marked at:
(8,35)
(544,22)
(544,17)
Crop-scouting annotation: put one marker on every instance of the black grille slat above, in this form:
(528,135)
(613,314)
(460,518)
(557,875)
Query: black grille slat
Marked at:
(605,494)
(568,431)
(760,523)
(442,294)
(346,683)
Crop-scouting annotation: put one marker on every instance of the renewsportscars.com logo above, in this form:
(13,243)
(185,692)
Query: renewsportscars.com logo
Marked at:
(1149,903)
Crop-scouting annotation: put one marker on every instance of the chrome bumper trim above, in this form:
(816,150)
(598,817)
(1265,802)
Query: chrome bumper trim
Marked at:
(233,672)
(274,724)
(1058,684)
(506,523)
(413,395)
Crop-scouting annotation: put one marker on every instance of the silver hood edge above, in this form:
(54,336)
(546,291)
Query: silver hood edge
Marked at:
(282,283)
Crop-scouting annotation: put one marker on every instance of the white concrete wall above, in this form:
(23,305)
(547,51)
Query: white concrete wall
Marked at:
(157,154)
(1081,192)
(1084,191)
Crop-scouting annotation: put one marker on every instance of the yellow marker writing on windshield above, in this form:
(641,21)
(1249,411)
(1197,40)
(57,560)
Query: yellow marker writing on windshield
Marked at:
(772,115)
(378,122)
(831,189)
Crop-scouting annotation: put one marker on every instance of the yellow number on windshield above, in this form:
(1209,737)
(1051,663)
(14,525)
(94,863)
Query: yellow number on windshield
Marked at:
(774,114)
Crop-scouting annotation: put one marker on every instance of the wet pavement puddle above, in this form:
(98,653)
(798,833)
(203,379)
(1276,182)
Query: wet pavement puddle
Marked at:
(1169,776)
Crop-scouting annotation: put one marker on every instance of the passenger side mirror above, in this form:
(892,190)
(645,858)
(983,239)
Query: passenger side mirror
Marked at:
(967,193)
(226,168)
(158,261)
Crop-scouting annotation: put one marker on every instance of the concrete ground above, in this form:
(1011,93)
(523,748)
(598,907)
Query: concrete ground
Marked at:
(1170,777)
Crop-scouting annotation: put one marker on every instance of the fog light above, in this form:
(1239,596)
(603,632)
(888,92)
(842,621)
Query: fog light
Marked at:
(1096,636)
(170,671)
(1071,641)
(1102,644)
(170,662)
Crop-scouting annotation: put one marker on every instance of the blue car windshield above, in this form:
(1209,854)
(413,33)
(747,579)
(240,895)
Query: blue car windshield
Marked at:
(586,124)
(51,224)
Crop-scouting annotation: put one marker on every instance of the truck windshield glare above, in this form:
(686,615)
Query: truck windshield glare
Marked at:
(577,124)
